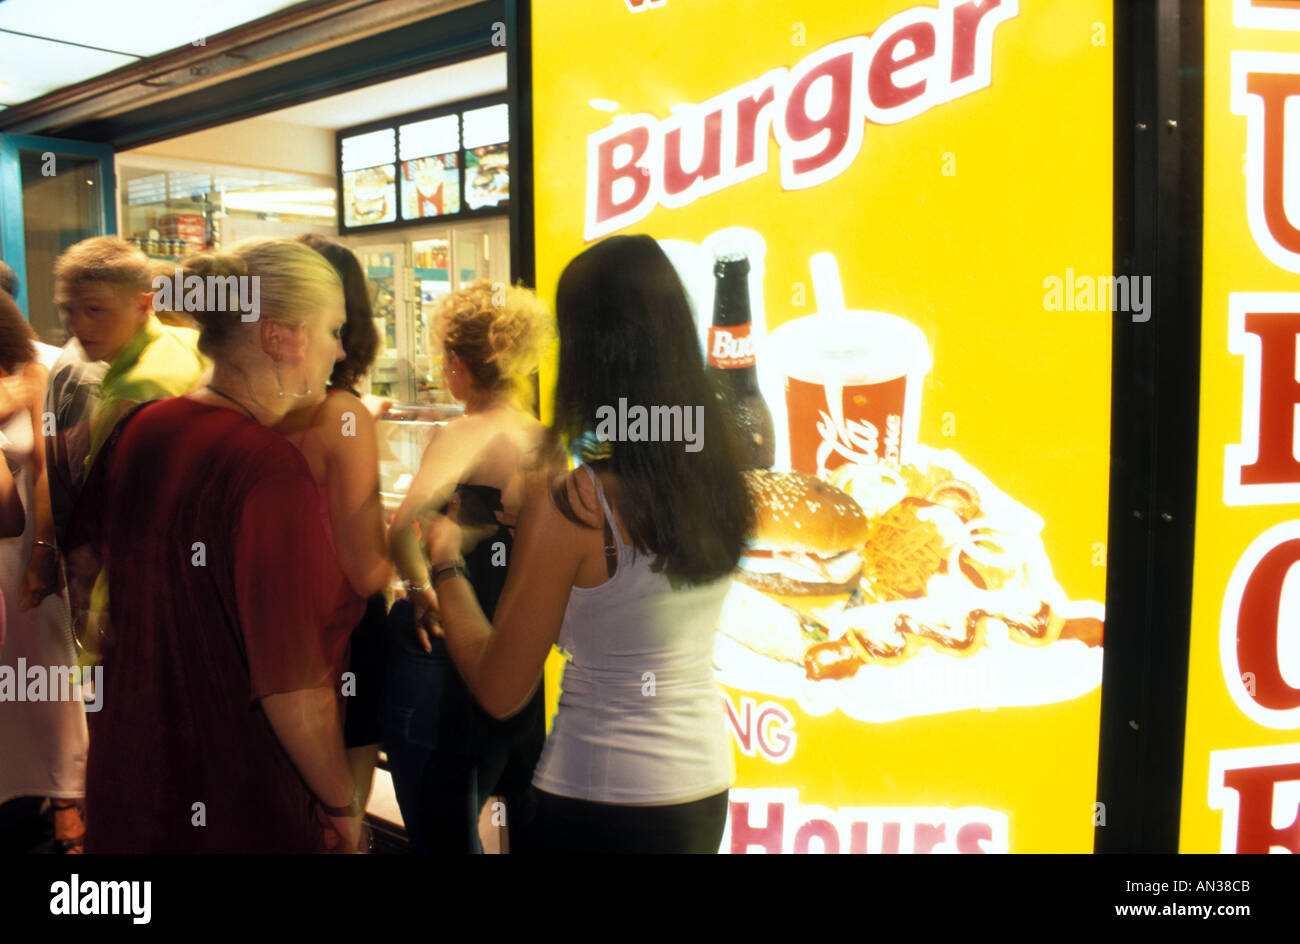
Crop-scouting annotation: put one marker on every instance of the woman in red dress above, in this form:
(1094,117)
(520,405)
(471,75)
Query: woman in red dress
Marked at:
(221,725)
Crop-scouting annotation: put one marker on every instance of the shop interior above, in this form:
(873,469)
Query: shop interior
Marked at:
(278,175)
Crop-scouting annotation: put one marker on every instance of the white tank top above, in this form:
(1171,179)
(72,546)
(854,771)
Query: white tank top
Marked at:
(640,720)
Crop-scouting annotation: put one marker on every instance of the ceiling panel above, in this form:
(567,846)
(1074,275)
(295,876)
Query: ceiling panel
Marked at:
(31,67)
(42,50)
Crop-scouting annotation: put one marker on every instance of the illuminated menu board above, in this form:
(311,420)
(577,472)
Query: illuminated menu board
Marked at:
(436,164)
(923,327)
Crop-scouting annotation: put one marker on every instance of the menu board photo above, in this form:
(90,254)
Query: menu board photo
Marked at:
(430,152)
(884,179)
(430,187)
(368,171)
(369,196)
(487,176)
(487,157)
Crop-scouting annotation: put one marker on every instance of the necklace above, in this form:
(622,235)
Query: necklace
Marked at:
(234,401)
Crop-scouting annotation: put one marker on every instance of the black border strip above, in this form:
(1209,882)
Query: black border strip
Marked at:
(519,82)
(1159,135)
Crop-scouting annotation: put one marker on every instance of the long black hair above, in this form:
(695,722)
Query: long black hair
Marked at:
(626,332)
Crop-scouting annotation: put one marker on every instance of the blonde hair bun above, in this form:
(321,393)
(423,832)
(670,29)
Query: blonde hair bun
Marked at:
(497,329)
(293,281)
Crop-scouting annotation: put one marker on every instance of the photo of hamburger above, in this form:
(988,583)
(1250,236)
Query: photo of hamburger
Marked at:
(370,196)
(808,536)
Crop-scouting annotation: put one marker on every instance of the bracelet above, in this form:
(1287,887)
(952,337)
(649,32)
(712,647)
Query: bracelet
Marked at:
(45,544)
(453,568)
(352,809)
(412,588)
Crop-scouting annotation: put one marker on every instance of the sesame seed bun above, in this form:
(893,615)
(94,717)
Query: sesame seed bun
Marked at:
(797,512)
(807,536)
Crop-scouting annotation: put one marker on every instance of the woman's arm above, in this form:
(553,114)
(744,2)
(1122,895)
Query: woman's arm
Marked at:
(278,552)
(447,458)
(306,723)
(352,484)
(13,520)
(42,575)
(502,662)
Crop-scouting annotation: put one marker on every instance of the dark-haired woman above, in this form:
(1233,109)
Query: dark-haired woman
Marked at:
(337,438)
(624,562)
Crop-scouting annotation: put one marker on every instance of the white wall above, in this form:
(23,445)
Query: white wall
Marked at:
(255,142)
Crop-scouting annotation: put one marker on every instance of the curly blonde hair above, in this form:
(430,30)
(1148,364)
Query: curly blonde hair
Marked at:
(498,330)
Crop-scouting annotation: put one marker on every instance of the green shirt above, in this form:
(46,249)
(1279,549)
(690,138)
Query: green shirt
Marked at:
(160,361)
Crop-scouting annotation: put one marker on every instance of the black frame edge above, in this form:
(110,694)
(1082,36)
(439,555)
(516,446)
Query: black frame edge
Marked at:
(1159,137)
(519,85)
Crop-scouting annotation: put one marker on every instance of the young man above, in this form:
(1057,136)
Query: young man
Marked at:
(103,288)
(120,355)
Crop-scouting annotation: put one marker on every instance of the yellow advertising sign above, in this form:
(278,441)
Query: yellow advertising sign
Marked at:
(1242,753)
(922,192)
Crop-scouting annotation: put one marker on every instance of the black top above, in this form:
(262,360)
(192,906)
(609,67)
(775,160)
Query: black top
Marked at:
(487,562)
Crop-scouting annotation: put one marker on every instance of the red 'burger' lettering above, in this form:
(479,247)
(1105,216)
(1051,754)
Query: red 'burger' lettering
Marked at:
(833,127)
(882,89)
(677,178)
(609,173)
(815,110)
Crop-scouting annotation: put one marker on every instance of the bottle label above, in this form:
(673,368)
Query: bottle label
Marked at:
(731,347)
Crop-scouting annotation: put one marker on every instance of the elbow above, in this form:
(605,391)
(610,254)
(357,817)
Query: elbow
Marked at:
(503,706)
(500,711)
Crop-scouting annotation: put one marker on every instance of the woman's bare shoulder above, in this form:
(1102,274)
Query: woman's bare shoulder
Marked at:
(340,403)
(575,486)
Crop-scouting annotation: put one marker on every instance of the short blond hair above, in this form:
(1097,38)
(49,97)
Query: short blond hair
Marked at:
(497,329)
(104,259)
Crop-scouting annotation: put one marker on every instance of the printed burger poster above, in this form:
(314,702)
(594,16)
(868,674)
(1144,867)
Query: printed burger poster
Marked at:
(910,657)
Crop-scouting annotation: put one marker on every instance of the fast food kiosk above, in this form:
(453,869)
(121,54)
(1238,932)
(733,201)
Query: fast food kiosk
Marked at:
(975,241)
(1023,283)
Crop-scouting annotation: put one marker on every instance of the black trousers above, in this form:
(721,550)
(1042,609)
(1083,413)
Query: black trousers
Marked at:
(565,825)
(446,755)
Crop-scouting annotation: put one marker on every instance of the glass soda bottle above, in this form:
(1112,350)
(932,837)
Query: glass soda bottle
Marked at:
(731,361)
